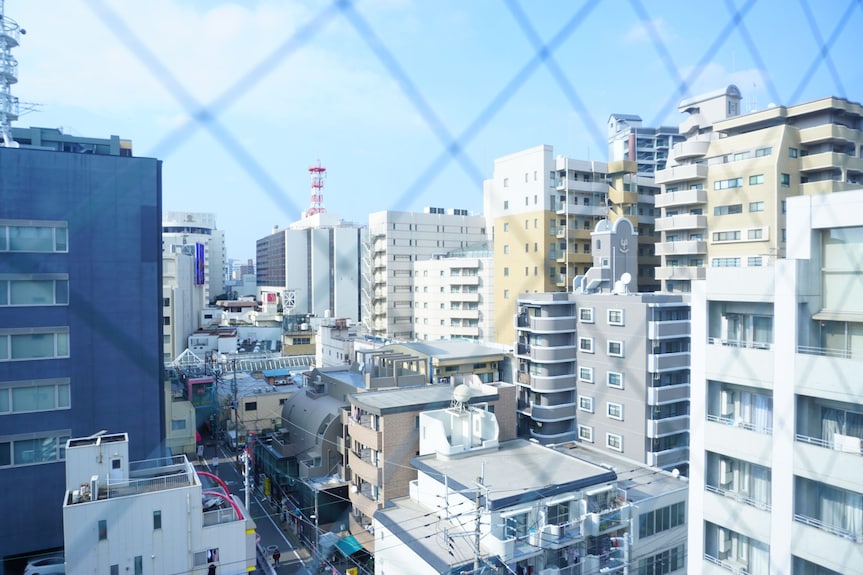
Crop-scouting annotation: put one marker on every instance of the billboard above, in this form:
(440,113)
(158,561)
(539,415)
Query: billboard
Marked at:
(199,264)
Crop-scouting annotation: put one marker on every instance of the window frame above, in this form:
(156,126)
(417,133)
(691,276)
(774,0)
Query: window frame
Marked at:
(609,312)
(586,403)
(608,379)
(586,349)
(614,406)
(608,441)
(585,437)
(582,314)
(585,374)
(608,345)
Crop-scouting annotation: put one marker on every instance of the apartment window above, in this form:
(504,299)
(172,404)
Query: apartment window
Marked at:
(756,179)
(506,226)
(615,379)
(526,202)
(755,234)
(40,238)
(139,565)
(754,261)
(505,185)
(36,343)
(725,262)
(785,180)
(728,184)
(585,314)
(157,519)
(535,270)
(756,206)
(35,395)
(766,151)
(515,526)
(585,374)
(17,451)
(783,204)
(505,202)
(662,519)
(506,294)
(585,433)
(728,236)
(505,272)
(728,210)
(614,441)
(33,291)
(526,248)
(665,562)
(585,403)
(585,344)
(535,220)
(103,529)
(615,348)
(792,152)
(251,406)
(614,410)
(833,509)
(526,271)
(615,317)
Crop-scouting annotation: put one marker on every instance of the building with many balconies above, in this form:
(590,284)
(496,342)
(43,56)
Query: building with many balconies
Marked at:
(724,190)
(776,459)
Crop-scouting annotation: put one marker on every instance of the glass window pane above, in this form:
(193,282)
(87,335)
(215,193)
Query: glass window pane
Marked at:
(31,239)
(4,347)
(4,292)
(4,245)
(33,346)
(5,454)
(63,395)
(61,291)
(34,292)
(4,401)
(61,239)
(62,345)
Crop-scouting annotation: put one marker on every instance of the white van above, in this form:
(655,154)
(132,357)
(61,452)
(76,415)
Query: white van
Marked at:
(233,441)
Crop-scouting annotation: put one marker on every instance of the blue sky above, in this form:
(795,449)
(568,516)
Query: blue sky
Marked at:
(406,103)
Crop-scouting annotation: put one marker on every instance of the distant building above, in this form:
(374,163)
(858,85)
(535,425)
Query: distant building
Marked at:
(396,241)
(81,304)
(454,295)
(148,516)
(196,234)
(183,300)
(314,266)
(648,147)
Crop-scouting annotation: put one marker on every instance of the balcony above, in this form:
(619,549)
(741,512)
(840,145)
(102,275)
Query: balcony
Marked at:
(574,185)
(830,160)
(549,413)
(668,457)
(726,507)
(833,548)
(688,150)
(687,247)
(688,273)
(363,503)
(364,469)
(664,329)
(464,280)
(841,455)
(681,198)
(465,313)
(544,438)
(739,361)
(361,433)
(668,426)
(681,173)
(738,439)
(548,354)
(548,324)
(464,296)
(828,133)
(550,383)
(574,209)
(464,330)
(667,394)
(681,222)
(659,362)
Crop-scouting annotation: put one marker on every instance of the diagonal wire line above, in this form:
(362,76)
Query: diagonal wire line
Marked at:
(661,48)
(125,35)
(492,108)
(824,50)
(409,88)
(720,40)
(247,81)
(560,78)
(756,55)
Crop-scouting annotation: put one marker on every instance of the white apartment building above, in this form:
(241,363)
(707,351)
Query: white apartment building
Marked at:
(183,300)
(314,266)
(396,241)
(454,296)
(725,189)
(648,147)
(135,517)
(776,474)
(190,229)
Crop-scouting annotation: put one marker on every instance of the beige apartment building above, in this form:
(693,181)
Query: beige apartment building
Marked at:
(725,189)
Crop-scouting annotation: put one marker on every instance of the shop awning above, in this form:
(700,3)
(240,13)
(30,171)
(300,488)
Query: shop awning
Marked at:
(349,545)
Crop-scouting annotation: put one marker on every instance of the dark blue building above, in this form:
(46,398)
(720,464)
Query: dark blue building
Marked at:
(80,318)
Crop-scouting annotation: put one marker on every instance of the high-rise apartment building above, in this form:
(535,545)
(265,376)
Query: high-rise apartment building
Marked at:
(542,210)
(454,296)
(198,232)
(182,300)
(776,473)
(725,188)
(648,147)
(315,264)
(396,241)
(80,310)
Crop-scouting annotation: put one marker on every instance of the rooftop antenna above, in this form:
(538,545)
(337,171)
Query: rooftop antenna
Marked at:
(10,33)
(317,174)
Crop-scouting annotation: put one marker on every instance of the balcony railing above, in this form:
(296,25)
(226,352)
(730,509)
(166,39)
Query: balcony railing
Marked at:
(817,523)
(738,497)
(733,422)
(853,446)
(826,351)
(739,343)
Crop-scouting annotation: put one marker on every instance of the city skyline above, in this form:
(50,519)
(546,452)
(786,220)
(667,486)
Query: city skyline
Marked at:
(406,106)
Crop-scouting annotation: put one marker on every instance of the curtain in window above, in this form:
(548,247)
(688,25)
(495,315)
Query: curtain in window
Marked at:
(854,424)
(762,413)
(761,484)
(841,509)
(831,423)
(759,558)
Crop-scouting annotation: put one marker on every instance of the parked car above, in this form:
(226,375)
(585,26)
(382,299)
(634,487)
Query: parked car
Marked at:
(234,441)
(55,565)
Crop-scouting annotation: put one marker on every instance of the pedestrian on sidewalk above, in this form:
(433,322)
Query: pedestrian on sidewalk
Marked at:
(276,556)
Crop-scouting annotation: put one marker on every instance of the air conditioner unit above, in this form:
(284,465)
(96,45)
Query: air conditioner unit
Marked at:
(726,473)
(726,404)
(724,547)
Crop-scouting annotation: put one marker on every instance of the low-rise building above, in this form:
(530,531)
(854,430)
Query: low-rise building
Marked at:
(148,516)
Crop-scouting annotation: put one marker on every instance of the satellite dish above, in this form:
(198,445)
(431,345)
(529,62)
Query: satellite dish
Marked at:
(462,393)
(626,278)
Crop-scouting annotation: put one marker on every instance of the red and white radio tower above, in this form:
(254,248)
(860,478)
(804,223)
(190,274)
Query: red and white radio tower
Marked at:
(318,174)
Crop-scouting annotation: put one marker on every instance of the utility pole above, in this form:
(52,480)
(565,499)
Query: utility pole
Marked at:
(480,483)
(234,405)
